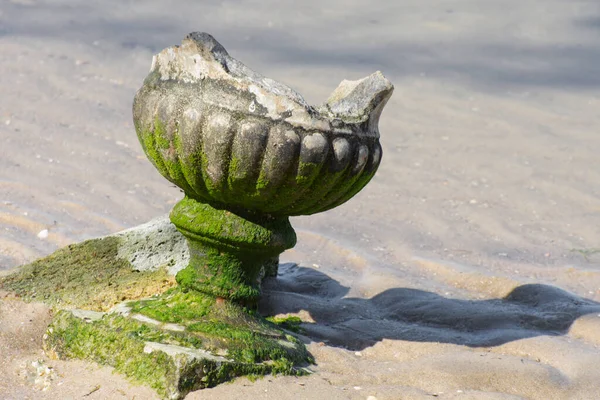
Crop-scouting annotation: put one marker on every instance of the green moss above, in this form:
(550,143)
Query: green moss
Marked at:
(318,187)
(249,232)
(307,173)
(222,274)
(168,151)
(212,188)
(86,275)
(174,306)
(291,323)
(164,151)
(324,183)
(227,250)
(234,166)
(193,170)
(242,182)
(356,187)
(261,183)
(349,185)
(110,341)
(148,142)
(223,326)
(250,344)
(120,342)
(298,186)
(162,143)
(242,344)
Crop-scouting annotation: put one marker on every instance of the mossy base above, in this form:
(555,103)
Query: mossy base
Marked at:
(228,251)
(160,335)
(178,342)
(88,275)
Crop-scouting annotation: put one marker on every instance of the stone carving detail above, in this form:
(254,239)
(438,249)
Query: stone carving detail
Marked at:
(248,152)
(232,138)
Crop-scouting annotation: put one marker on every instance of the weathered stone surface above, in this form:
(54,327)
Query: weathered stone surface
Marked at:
(87,315)
(175,342)
(248,152)
(176,358)
(156,243)
(232,138)
(99,273)
(229,253)
(173,350)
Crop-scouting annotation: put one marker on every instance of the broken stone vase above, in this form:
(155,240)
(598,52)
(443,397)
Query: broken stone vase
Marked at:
(249,152)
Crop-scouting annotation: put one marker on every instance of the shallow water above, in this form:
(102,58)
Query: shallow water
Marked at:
(490,179)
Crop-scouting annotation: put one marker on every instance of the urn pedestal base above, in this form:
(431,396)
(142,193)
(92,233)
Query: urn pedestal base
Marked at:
(204,331)
(229,252)
(177,342)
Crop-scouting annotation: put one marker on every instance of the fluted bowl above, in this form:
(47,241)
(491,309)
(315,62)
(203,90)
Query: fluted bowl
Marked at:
(231,138)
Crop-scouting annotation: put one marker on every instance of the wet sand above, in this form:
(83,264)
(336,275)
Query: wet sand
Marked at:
(468,268)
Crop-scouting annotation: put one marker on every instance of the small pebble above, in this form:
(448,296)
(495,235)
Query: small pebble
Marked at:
(43,234)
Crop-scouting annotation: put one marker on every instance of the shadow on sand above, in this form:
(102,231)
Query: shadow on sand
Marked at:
(416,315)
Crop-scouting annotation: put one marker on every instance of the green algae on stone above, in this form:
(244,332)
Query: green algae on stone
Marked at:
(227,250)
(248,152)
(223,327)
(174,306)
(164,152)
(115,340)
(226,145)
(178,342)
(131,348)
(323,184)
(87,275)
(291,323)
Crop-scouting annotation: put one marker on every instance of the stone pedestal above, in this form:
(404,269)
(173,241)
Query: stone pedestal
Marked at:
(175,358)
(248,152)
(117,304)
(228,251)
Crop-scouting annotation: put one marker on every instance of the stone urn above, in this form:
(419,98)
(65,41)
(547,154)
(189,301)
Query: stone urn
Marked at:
(248,152)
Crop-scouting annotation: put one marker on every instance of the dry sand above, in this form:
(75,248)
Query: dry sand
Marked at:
(469,268)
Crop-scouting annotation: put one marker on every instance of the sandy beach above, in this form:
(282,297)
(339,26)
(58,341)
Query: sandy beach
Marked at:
(468,268)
